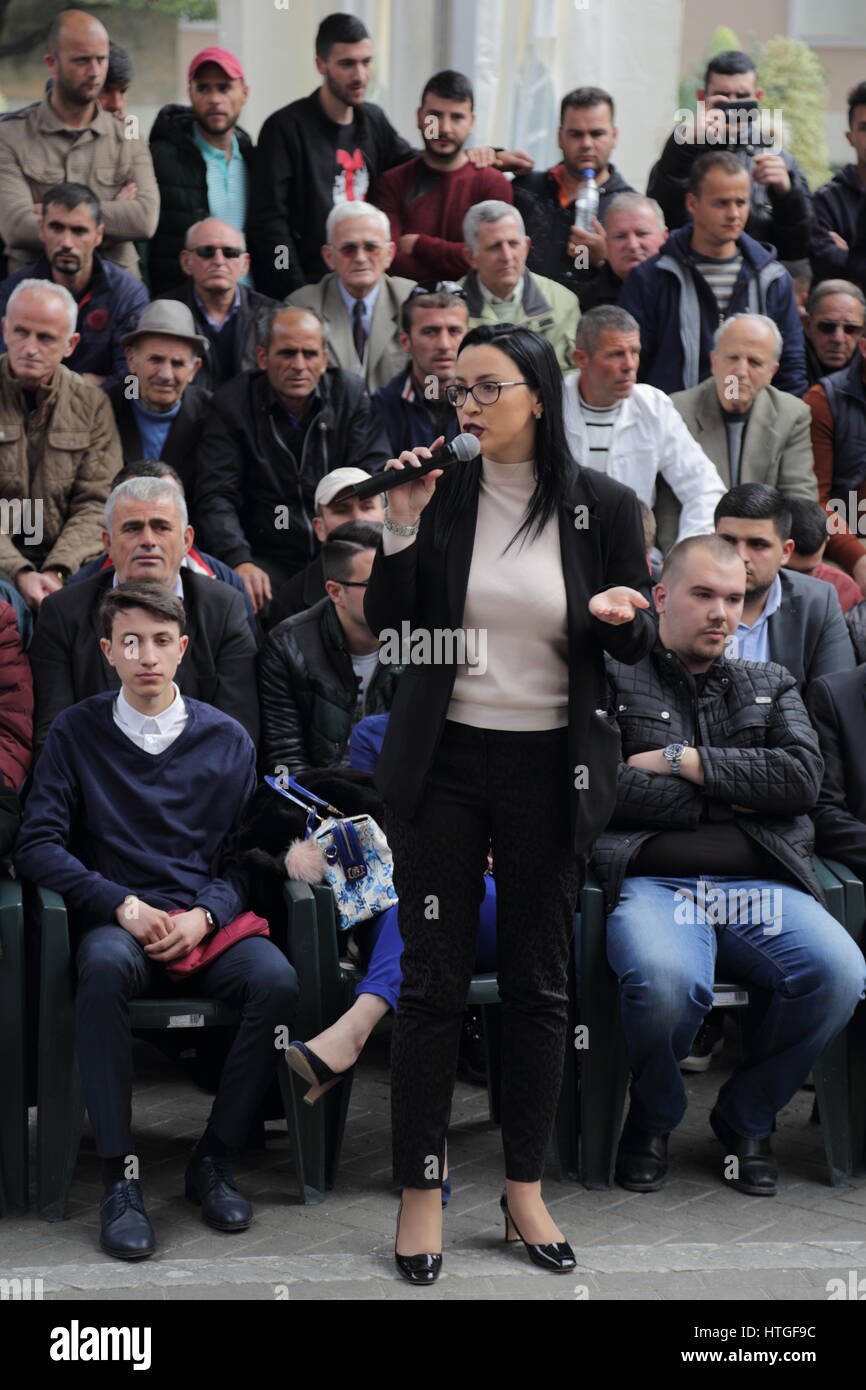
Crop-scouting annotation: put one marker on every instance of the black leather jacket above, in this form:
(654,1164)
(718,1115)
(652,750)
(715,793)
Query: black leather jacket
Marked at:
(758,751)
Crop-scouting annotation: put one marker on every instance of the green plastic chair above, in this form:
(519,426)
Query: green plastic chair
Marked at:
(604,1070)
(327,991)
(60,1100)
(14,1185)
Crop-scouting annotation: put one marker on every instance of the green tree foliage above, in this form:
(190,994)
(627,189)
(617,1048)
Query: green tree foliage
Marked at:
(184,9)
(721,40)
(793,80)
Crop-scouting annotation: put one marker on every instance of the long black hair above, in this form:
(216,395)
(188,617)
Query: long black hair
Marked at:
(537,365)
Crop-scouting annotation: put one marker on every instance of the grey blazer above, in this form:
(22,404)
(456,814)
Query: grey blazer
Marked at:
(383,356)
(777,447)
(808,633)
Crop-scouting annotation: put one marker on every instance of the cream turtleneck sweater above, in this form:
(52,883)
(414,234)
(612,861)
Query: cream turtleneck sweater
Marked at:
(516,674)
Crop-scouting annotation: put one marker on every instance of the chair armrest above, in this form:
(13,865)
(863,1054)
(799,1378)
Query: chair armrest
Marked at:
(855,897)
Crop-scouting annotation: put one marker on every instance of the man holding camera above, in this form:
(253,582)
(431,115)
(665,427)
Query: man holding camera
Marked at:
(729,117)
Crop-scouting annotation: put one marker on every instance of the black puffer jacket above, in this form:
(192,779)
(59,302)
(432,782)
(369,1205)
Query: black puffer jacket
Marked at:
(246,469)
(182,178)
(309,692)
(757,747)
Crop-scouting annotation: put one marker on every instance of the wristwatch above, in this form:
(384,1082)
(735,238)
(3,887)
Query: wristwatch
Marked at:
(674,754)
(211,924)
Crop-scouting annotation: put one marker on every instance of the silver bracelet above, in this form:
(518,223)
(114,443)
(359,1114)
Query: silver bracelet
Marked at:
(399,530)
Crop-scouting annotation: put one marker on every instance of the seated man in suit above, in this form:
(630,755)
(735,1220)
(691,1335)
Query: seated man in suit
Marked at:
(706,864)
(632,432)
(147,535)
(320,671)
(500,289)
(271,436)
(836,707)
(753,432)
(335,505)
(787,617)
(195,560)
(357,301)
(123,821)
(412,407)
(159,413)
(214,262)
(58,445)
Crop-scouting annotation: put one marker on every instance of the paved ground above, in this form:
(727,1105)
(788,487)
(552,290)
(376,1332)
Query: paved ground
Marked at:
(696,1239)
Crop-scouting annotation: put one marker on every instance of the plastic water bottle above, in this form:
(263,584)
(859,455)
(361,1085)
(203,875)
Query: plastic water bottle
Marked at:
(586,203)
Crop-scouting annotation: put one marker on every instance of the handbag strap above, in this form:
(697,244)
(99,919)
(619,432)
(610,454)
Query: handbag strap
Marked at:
(312,814)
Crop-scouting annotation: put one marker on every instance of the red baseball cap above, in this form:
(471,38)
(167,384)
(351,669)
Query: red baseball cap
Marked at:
(223,59)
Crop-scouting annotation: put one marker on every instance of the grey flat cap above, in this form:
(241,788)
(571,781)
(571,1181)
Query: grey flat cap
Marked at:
(171,317)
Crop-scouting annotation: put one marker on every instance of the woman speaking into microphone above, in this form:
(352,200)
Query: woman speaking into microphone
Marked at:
(541,564)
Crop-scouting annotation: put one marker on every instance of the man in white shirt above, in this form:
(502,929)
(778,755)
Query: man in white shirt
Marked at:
(358,302)
(632,432)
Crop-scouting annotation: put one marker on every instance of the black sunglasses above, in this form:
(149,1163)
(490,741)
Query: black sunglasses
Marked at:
(207,253)
(851,330)
(441,287)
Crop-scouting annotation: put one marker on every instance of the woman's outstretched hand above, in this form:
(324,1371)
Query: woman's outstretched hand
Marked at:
(616,606)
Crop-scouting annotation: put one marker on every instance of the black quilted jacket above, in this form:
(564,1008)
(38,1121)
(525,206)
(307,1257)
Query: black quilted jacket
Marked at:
(757,747)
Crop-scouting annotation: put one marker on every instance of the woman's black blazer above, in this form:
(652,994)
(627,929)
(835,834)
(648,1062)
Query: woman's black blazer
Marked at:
(601,537)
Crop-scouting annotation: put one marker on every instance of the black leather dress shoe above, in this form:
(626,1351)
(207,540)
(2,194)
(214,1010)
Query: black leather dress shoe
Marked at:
(209,1183)
(642,1160)
(757,1172)
(125,1230)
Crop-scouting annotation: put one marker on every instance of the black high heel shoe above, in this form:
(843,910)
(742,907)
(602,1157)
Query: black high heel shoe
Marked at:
(418,1269)
(557,1257)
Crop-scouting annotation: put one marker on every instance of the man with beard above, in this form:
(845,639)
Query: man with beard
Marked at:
(202,159)
(68,137)
(324,149)
(787,617)
(109,299)
(427,198)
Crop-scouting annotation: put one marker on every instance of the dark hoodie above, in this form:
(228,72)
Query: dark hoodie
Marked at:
(301,170)
(678,313)
(182,178)
(840,206)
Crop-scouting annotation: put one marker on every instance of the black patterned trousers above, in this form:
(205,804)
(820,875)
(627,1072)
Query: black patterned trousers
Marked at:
(511,790)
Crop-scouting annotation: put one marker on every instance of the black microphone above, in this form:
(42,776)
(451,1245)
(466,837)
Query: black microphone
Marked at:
(462,448)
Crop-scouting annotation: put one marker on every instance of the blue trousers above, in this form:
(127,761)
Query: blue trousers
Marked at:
(384,976)
(668,938)
(253,976)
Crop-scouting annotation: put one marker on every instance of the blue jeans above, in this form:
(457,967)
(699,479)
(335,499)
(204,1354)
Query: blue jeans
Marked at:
(385,944)
(668,938)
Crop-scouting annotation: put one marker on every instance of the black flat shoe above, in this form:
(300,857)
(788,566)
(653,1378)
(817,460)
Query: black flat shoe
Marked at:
(210,1184)
(312,1069)
(418,1269)
(757,1169)
(642,1160)
(125,1230)
(557,1258)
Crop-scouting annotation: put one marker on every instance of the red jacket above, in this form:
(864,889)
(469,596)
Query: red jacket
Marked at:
(437,213)
(16,702)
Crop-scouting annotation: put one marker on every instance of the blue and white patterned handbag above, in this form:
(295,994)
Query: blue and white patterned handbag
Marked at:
(358,861)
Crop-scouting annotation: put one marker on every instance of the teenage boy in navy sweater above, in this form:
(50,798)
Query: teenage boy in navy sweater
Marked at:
(133,814)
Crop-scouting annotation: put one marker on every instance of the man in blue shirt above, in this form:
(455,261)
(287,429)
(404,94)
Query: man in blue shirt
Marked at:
(201,158)
(122,820)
